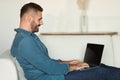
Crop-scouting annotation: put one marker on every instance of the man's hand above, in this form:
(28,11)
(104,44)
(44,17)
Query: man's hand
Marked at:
(76,64)
(82,65)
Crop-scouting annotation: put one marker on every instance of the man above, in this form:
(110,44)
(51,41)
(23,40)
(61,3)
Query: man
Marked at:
(33,56)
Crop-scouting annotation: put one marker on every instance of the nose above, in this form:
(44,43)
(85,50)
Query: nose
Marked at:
(41,22)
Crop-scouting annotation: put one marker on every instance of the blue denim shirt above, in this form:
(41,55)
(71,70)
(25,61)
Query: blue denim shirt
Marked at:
(33,57)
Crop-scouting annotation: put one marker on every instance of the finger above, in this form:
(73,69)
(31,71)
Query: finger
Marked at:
(79,68)
(75,62)
(86,66)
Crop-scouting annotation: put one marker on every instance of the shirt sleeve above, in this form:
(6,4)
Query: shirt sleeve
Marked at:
(36,56)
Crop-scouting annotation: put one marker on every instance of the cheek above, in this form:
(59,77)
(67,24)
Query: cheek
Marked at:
(36,22)
(33,23)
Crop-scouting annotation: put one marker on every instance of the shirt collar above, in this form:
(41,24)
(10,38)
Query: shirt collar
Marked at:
(25,32)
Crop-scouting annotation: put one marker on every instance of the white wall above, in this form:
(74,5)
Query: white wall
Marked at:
(9,10)
(104,15)
(60,15)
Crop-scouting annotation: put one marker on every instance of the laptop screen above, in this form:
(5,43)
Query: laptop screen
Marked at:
(93,53)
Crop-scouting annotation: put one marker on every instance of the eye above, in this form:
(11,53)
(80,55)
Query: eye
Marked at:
(39,19)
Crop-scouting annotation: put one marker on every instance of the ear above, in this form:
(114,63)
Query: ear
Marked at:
(29,18)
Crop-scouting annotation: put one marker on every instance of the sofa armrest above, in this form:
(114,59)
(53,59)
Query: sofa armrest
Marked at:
(7,69)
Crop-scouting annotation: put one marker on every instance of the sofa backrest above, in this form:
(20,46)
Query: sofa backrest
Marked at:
(19,69)
(12,65)
(8,69)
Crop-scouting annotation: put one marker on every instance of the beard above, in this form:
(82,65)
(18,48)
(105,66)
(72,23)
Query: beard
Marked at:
(34,27)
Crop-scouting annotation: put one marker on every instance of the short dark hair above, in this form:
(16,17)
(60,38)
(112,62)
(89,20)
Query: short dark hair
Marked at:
(30,6)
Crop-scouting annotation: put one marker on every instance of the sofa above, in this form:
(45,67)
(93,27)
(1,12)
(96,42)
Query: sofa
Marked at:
(65,48)
(10,69)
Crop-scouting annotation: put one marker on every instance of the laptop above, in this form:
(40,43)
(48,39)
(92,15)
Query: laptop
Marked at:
(93,54)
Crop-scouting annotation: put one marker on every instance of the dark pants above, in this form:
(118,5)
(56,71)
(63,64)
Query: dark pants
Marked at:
(101,72)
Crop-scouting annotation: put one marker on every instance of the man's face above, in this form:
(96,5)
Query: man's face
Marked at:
(36,22)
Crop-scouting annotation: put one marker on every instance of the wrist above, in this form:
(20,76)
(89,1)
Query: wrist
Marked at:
(72,67)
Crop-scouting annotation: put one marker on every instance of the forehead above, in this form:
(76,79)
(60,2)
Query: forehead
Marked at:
(39,14)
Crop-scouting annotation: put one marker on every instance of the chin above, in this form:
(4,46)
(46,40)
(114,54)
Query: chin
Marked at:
(37,30)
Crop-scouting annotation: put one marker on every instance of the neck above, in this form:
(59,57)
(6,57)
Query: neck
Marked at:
(25,26)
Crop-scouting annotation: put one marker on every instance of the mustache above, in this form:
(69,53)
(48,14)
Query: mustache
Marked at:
(38,25)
